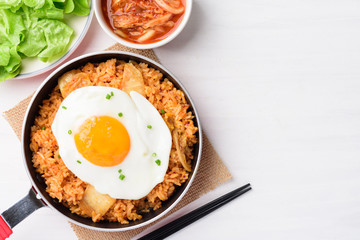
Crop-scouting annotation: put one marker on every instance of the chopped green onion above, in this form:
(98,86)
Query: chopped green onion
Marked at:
(43,128)
(69,132)
(120,114)
(120,170)
(149,126)
(162,111)
(59,156)
(158,162)
(154,154)
(108,96)
(64,107)
(121,177)
(78,161)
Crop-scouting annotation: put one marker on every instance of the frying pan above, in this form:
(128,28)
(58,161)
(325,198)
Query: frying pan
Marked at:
(38,197)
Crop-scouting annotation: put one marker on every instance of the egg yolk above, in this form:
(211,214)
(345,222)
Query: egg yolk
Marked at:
(103,140)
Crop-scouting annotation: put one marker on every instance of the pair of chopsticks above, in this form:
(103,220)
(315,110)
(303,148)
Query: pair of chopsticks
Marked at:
(194,215)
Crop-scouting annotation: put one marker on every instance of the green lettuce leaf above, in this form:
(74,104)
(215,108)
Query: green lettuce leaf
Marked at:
(4,75)
(36,4)
(14,61)
(4,55)
(4,39)
(77,7)
(58,36)
(6,4)
(34,42)
(11,27)
(48,11)
(69,6)
(25,13)
(82,7)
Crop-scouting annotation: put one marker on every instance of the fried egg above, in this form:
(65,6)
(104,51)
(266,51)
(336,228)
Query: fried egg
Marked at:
(118,143)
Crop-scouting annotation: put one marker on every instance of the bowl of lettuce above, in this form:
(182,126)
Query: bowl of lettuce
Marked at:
(36,35)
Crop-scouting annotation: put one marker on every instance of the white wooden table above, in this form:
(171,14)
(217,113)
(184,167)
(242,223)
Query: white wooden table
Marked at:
(277,86)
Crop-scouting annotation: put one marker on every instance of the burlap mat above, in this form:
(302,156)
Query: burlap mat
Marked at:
(211,173)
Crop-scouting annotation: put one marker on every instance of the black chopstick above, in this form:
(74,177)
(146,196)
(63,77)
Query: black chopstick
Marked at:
(194,215)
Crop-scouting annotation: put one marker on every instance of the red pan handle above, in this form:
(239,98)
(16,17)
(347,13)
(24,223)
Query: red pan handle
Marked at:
(5,230)
(18,212)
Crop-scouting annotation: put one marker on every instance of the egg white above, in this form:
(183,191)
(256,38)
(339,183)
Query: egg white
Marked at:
(141,172)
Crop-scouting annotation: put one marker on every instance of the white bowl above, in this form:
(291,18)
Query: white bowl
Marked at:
(102,20)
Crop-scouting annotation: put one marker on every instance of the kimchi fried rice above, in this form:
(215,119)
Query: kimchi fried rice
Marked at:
(68,189)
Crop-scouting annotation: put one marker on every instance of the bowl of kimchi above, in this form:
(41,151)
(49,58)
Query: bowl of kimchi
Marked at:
(143,24)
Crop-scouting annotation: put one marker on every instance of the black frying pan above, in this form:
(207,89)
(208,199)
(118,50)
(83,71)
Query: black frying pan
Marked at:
(38,197)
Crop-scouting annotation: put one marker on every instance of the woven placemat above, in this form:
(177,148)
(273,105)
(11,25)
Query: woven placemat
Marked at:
(211,173)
